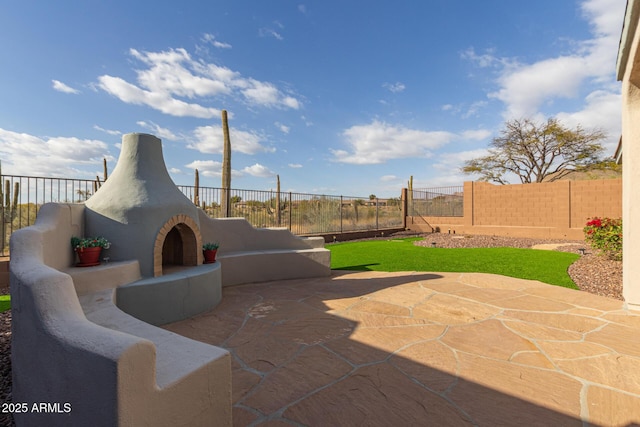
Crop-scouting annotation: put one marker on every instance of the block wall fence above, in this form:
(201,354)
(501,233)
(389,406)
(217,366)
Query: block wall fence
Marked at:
(553,210)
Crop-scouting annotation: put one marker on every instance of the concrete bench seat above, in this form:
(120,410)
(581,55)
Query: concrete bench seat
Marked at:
(241,267)
(172,297)
(177,357)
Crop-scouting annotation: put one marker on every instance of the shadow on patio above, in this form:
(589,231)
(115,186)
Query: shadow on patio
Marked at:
(374,348)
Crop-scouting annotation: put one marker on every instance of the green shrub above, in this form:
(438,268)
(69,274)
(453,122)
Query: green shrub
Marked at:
(605,234)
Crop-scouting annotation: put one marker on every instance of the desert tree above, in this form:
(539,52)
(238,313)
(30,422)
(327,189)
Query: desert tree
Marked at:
(536,152)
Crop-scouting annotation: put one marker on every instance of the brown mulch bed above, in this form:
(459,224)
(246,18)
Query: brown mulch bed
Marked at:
(591,273)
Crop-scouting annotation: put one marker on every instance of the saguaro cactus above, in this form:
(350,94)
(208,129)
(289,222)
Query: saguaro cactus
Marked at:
(226,168)
(97,183)
(8,208)
(196,191)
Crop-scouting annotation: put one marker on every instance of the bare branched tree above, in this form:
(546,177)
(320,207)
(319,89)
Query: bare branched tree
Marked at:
(537,152)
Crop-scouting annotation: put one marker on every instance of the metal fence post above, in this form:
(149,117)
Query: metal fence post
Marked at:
(290,210)
(404,207)
(341,214)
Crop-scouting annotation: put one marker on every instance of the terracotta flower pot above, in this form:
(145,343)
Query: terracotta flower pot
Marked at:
(209,256)
(89,256)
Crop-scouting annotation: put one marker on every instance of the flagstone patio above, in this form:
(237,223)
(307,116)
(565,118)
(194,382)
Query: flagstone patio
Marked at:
(391,349)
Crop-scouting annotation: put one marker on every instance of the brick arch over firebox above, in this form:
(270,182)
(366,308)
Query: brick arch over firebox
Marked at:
(185,229)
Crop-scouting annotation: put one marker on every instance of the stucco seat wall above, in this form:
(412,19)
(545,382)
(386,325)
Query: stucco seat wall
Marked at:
(172,297)
(250,254)
(277,264)
(109,375)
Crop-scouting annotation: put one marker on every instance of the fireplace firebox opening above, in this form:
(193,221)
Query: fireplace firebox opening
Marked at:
(177,244)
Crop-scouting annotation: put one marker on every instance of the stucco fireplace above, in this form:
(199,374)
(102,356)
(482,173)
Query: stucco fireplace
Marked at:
(144,214)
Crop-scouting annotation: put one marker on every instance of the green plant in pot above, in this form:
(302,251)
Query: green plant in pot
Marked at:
(209,250)
(89,249)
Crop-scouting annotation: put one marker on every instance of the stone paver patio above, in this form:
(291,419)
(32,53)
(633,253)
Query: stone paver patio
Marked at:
(441,349)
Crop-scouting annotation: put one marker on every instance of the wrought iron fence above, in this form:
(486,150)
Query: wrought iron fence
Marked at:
(22,196)
(303,214)
(439,201)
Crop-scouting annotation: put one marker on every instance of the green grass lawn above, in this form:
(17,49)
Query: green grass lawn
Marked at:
(401,255)
(5,303)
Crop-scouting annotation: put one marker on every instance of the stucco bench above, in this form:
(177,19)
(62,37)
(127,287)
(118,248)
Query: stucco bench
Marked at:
(174,296)
(180,364)
(177,358)
(240,267)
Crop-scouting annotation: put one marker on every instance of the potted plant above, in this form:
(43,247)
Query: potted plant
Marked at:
(89,249)
(209,250)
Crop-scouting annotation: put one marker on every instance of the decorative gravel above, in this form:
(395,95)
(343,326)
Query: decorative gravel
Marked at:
(5,362)
(591,273)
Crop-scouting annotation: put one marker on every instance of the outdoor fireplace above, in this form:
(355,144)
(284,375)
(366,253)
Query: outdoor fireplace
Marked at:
(142,212)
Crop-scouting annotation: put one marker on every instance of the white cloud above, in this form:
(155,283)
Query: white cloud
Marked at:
(449,167)
(175,171)
(210,139)
(488,59)
(132,94)
(209,168)
(24,154)
(464,110)
(396,87)
(378,142)
(160,132)
(307,122)
(283,128)
(525,87)
(474,108)
(174,74)
(291,102)
(267,95)
(258,170)
(261,92)
(295,165)
(61,87)
(478,134)
(270,32)
(605,16)
(108,131)
(602,111)
(210,38)
(388,178)
(451,161)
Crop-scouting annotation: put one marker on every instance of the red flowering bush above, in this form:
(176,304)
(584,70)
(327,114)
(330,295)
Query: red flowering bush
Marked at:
(605,234)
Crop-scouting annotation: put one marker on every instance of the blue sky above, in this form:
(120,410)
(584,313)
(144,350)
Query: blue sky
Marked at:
(337,97)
